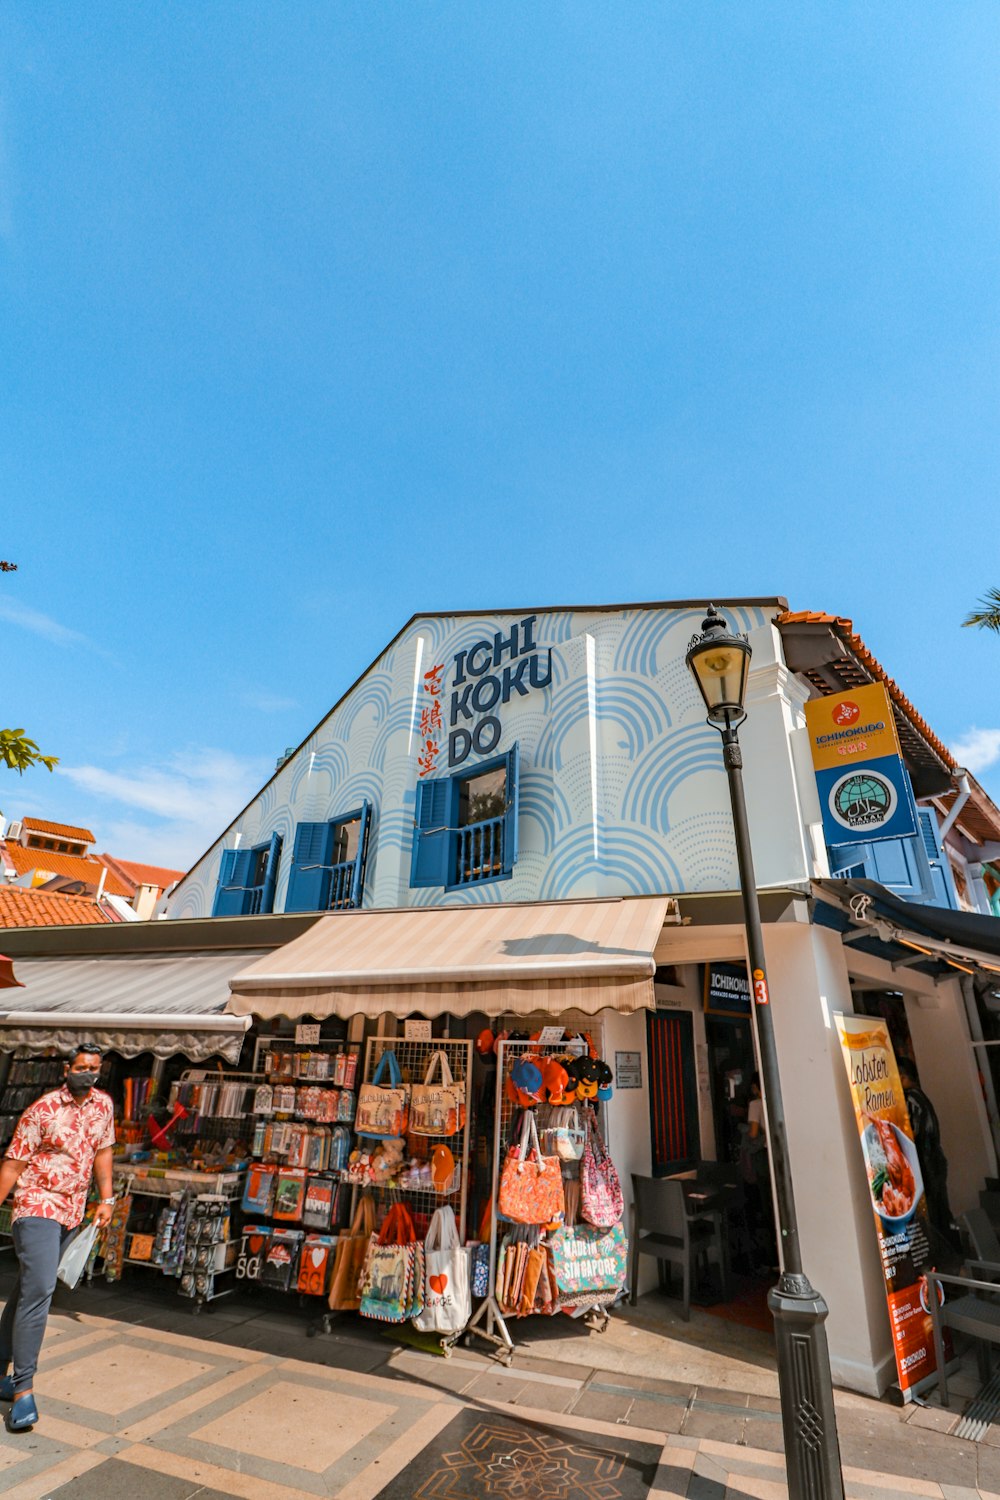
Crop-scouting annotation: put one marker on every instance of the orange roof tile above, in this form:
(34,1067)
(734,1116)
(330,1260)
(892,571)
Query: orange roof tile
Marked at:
(845,629)
(139,874)
(21,908)
(73,865)
(59,830)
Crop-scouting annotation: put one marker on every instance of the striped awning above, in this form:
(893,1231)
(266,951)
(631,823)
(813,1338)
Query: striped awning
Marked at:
(555,956)
(129,1003)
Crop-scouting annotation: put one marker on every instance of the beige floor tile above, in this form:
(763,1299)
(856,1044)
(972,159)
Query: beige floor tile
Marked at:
(61,1473)
(894,1483)
(297,1425)
(197,1346)
(71,1434)
(211,1476)
(113,1382)
(140,1432)
(12,1450)
(756,1488)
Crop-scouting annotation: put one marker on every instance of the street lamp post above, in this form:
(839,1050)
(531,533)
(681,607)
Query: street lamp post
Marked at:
(719,661)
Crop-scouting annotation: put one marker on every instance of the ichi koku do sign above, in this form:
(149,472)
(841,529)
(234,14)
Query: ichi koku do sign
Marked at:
(864,790)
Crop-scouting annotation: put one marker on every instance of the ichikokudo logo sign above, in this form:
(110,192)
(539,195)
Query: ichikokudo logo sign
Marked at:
(862,800)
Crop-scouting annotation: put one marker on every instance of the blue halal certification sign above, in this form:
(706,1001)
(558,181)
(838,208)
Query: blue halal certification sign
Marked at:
(866,803)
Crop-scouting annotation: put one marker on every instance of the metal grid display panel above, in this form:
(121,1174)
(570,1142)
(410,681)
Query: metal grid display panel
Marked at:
(489,1323)
(414,1058)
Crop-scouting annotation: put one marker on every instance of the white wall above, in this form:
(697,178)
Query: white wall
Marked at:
(809,984)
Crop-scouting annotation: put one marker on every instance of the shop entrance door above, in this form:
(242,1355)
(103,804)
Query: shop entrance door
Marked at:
(731,1066)
(673,1110)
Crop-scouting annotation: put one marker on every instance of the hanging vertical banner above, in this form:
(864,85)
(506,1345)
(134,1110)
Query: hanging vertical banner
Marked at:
(896,1190)
(863,787)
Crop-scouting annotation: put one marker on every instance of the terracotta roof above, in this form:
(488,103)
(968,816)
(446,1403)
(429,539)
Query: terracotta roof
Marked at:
(59,830)
(21,908)
(856,666)
(73,865)
(980,817)
(129,870)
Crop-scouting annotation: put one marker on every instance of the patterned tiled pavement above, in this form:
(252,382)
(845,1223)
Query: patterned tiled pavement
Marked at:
(141,1400)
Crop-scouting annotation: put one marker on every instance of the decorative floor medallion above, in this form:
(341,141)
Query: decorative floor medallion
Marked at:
(501,1458)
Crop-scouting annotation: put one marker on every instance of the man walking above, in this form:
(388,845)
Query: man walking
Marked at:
(60,1141)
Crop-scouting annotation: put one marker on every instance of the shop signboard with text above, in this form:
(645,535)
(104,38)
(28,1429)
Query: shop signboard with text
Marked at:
(864,790)
(896,1190)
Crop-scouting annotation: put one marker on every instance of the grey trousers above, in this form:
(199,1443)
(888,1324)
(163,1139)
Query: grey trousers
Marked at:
(38,1244)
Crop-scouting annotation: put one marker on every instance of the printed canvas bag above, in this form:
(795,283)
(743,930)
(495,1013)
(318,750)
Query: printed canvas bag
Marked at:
(389,1288)
(601,1200)
(383,1109)
(447,1298)
(531,1188)
(437,1108)
(586,1260)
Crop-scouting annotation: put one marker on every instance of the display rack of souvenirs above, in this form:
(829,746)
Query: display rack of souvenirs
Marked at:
(294,1199)
(553,1231)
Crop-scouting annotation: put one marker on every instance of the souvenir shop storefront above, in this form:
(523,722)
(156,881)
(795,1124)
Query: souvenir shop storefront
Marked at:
(483,1137)
(158,1019)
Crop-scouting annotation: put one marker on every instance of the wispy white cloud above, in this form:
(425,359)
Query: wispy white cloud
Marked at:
(978,749)
(188,799)
(40,624)
(265,702)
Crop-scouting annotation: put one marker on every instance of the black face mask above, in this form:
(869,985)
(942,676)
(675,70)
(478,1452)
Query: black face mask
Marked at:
(81,1083)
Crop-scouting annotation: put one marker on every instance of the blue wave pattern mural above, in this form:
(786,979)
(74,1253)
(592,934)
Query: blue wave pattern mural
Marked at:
(622,788)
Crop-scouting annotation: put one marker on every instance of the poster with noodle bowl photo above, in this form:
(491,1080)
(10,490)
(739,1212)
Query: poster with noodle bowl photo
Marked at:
(896,1189)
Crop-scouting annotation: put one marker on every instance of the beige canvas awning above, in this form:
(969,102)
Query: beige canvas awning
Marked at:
(554,956)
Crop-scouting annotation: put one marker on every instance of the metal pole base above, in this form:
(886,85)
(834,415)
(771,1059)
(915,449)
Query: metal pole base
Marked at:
(812,1452)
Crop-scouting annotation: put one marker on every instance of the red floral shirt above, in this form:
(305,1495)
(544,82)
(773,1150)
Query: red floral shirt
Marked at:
(59,1139)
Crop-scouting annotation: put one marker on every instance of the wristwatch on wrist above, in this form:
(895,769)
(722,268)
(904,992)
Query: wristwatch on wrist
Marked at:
(108,1200)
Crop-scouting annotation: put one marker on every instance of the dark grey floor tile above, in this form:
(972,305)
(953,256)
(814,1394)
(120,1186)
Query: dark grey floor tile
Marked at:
(603,1405)
(117,1480)
(766,1435)
(658,1416)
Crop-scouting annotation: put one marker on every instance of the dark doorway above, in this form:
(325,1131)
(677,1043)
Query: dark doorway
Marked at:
(673,1114)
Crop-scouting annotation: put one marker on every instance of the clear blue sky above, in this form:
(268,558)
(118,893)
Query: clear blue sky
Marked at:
(316,315)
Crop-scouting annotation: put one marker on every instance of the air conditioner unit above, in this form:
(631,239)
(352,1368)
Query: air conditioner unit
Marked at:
(13,834)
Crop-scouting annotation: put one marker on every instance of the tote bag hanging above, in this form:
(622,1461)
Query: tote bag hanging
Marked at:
(447,1298)
(531,1189)
(392,1282)
(585,1261)
(349,1258)
(437,1108)
(383,1110)
(601,1200)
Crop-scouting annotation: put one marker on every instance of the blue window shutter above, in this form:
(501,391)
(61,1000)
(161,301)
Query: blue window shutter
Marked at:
(510,817)
(900,865)
(357,882)
(432,838)
(309,888)
(942,883)
(271,874)
(231,893)
(848,860)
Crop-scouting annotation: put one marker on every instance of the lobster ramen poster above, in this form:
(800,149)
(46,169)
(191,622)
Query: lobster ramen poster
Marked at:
(896,1190)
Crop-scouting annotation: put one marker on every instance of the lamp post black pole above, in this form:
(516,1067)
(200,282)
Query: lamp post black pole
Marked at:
(812,1451)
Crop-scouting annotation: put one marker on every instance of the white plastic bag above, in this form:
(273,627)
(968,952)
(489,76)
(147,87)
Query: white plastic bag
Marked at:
(447,1299)
(76,1252)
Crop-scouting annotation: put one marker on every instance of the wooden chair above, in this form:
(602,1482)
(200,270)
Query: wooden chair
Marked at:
(970,1313)
(661,1227)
